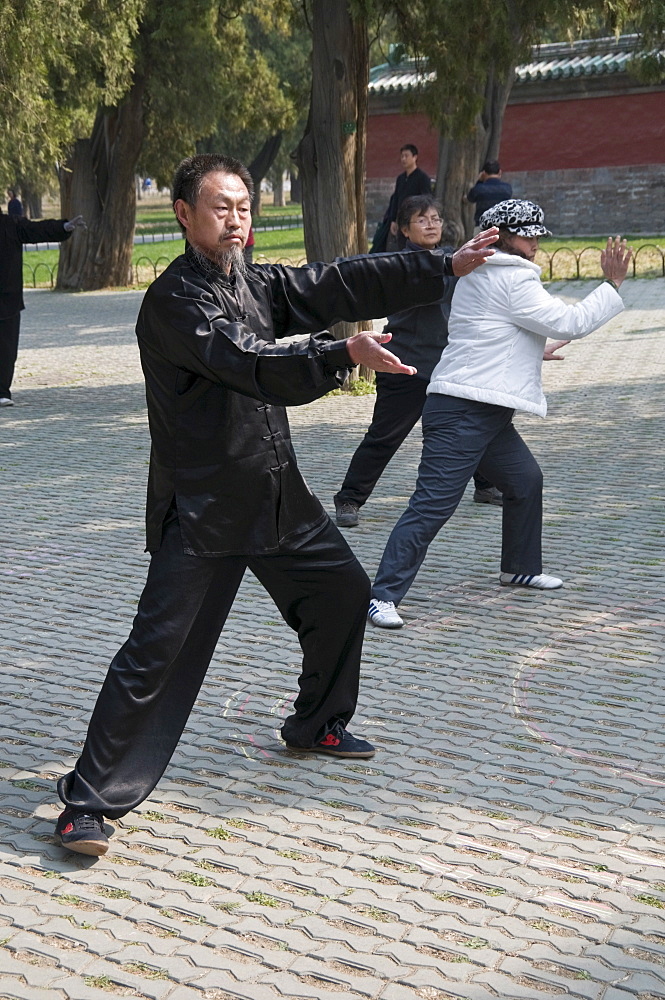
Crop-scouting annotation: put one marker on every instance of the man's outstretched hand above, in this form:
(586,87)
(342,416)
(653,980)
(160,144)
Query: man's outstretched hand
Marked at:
(365,349)
(551,347)
(78,222)
(475,252)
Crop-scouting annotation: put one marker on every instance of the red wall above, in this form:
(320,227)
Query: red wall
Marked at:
(589,132)
(553,135)
(385,135)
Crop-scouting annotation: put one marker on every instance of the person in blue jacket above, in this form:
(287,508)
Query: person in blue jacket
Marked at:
(488,190)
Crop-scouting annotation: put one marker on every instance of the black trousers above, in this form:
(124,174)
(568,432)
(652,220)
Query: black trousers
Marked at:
(398,408)
(458,436)
(9,331)
(321,591)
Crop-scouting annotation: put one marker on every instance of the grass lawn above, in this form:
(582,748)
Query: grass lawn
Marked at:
(287,246)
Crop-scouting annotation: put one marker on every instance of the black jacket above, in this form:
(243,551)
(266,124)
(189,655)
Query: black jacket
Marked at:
(421,333)
(13,234)
(217,384)
(407,186)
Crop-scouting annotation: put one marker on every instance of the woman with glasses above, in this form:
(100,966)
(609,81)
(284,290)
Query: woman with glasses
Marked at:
(418,337)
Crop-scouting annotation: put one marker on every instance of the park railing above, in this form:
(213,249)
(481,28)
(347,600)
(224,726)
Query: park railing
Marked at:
(568,264)
(562,264)
(267,224)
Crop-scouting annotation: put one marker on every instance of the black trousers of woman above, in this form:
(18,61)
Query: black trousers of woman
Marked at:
(397,410)
(321,591)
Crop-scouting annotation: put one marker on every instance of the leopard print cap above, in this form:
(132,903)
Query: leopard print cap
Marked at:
(524,218)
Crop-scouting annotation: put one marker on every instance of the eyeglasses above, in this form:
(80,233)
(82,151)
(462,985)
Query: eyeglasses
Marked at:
(432,220)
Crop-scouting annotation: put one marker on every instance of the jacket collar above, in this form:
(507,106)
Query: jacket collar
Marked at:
(502,259)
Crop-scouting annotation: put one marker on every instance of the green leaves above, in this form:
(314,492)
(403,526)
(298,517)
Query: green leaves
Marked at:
(58,62)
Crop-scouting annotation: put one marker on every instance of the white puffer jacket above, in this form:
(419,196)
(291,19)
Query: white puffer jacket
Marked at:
(500,319)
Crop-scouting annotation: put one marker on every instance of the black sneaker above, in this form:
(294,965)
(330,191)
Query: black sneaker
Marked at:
(346,513)
(339,743)
(82,832)
(490,495)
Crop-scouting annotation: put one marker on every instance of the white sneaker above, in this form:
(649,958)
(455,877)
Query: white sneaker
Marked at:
(540,582)
(384,614)
(5,401)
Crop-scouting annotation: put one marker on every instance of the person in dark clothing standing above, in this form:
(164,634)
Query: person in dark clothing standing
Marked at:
(419,335)
(14,206)
(413,181)
(14,232)
(224,489)
(489,189)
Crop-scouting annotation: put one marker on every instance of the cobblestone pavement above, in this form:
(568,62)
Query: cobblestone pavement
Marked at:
(507,839)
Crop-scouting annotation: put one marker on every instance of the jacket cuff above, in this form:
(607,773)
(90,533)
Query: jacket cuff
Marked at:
(447,259)
(335,357)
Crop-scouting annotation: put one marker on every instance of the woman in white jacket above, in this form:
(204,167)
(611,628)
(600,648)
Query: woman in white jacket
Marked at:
(500,320)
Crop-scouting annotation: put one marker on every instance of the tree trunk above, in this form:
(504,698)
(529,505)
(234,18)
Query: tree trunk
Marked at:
(32,202)
(260,166)
(461,158)
(98,183)
(278,190)
(296,193)
(331,154)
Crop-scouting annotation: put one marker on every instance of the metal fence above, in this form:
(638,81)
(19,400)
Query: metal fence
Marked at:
(563,264)
(566,264)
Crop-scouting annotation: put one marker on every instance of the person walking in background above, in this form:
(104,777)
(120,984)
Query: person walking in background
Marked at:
(14,232)
(14,206)
(500,319)
(412,181)
(419,335)
(488,190)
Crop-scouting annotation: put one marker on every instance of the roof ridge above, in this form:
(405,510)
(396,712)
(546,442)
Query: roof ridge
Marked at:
(551,60)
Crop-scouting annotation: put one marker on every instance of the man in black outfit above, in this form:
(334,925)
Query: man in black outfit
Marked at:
(14,232)
(412,181)
(224,489)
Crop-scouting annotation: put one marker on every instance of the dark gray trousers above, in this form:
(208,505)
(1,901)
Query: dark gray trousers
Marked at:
(321,591)
(460,436)
(397,409)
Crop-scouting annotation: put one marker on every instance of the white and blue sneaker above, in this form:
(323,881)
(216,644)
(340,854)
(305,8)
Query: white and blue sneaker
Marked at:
(384,614)
(540,582)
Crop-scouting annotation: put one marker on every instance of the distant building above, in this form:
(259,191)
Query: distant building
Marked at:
(581,136)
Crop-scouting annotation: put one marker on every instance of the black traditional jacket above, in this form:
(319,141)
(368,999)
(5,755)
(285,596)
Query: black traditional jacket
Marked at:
(13,234)
(217,384)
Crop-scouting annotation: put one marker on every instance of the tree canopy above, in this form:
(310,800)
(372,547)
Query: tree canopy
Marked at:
(58,62)
(108,87)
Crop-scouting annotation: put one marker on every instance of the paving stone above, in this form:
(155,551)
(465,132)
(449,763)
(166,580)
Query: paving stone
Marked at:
(516,798)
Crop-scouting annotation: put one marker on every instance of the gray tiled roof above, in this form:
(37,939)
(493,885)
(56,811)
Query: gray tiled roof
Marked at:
(599,57)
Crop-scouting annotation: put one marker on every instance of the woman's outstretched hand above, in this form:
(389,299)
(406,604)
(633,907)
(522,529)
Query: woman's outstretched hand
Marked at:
(615,258)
